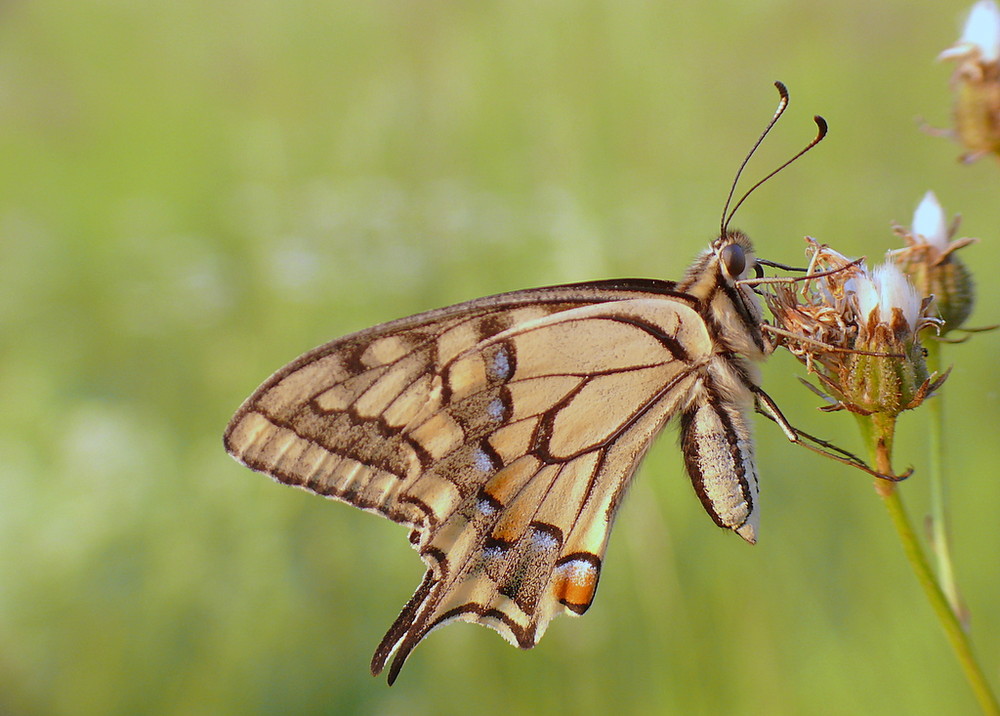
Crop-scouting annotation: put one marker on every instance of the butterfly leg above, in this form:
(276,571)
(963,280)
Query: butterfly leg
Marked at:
(766,406)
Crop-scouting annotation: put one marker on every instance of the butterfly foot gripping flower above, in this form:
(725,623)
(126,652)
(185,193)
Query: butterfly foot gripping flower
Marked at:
(858,332)
(930,262)
(976,82)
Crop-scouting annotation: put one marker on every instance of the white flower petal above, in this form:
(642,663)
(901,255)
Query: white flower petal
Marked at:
(864,288)
(982,31)
(929,222)
(896,291)
(955,52)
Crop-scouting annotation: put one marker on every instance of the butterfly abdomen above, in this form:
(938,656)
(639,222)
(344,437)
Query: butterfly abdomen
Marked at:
(718,453)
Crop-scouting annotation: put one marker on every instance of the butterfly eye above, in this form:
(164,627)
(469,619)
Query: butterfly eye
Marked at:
(734,261)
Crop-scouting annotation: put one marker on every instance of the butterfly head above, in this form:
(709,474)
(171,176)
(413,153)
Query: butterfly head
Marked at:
(714,280)
(727,261)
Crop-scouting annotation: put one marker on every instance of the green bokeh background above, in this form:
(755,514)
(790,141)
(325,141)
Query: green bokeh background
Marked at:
(191,194)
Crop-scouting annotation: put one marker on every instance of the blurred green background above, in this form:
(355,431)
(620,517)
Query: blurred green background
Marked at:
(192,194)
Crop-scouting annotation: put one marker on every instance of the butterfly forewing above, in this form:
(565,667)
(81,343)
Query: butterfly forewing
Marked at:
(505,431)
(365,410)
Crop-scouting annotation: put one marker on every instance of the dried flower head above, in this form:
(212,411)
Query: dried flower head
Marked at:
(857,331)
(976,81)
(930,262)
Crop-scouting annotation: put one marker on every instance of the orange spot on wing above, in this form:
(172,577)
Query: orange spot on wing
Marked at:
(576,584)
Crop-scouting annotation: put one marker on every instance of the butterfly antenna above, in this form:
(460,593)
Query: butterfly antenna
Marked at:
(820,133)
(782,104)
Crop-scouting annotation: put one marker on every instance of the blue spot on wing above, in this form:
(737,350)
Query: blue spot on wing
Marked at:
(501,365)
(482,460)
(495,409)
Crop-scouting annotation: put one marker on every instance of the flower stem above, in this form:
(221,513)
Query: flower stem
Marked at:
(940,537)
(878,430)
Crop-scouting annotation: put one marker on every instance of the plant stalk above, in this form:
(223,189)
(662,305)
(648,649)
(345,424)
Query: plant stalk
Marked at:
(879,430)
(940,534)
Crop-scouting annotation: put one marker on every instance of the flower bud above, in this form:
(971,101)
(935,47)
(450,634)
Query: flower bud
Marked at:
(976,81)
(887,373)
(858,332)
(930,262)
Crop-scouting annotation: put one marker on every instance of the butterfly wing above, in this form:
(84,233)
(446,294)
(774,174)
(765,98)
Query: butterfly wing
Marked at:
(503,430)
(331,420)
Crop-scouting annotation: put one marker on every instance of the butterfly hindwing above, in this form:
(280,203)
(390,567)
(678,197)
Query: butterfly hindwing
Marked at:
(551,460)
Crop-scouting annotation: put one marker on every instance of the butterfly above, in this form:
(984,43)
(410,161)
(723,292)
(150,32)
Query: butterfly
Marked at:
(505,431)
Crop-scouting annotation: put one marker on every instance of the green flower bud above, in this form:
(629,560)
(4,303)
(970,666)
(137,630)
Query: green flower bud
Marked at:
(858,333)
(888,373)
(930,262)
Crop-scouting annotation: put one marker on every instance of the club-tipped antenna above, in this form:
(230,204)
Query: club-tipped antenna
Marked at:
(821,125)
(782,105)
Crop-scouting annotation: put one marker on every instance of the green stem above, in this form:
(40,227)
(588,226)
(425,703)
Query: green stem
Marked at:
(878,430)
(940,533)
